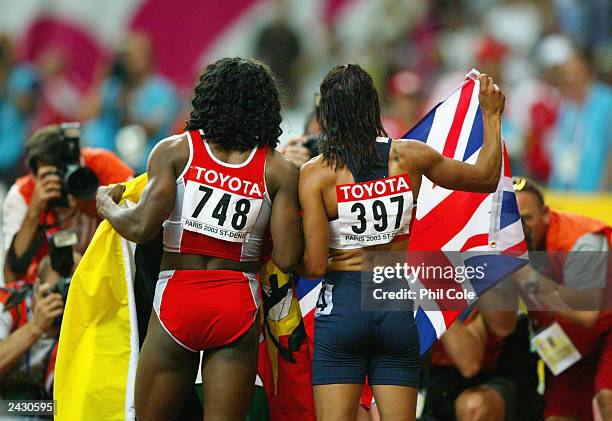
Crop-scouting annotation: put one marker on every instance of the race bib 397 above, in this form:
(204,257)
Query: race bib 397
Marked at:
(374,212)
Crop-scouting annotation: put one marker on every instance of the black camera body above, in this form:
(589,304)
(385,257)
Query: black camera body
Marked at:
(312,144)
(62,261)
(60,252)
(77,180)
(61,287)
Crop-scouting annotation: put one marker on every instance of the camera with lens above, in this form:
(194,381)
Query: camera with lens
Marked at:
(61,287)
(312,140)
(77,180)
(62,260)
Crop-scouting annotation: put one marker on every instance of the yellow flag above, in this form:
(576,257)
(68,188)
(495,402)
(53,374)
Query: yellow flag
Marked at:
(281,318)
(98,345)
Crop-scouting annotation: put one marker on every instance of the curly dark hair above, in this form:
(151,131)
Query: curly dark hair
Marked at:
(349,115)
(237,105)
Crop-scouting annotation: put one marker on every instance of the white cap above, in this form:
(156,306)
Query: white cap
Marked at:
(554,50)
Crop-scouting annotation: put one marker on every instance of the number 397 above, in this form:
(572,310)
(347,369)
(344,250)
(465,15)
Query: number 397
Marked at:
(379,212)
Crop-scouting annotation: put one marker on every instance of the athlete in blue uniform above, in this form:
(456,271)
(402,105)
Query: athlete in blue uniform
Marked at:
(358,196)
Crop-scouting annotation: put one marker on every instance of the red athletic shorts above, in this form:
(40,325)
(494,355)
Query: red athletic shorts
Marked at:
(204,309)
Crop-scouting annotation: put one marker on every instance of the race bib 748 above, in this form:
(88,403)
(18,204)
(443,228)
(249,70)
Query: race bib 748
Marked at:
(221,210)
(374,212)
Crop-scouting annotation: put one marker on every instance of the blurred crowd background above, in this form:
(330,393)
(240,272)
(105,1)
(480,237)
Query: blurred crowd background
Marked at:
(126,69)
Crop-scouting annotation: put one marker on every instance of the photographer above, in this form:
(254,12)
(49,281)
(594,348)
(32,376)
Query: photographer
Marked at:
(58,195)
(567,287)
(29,329)
(465,377)
(299,150)
(134,99)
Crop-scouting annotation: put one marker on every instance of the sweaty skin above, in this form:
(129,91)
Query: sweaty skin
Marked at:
(318,183)
(142,222)
(166,371)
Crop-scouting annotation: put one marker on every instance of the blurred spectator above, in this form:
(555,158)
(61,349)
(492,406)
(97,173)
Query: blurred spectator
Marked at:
(29,331)
(568,283)
(312,127)
(462,382)
(517,22)
(543,115)
(134,96)
(572,18)
(583,133)
(18,89)
(42,204)
(535,103)
(404,96)
(300,149)
(388,23)
(59,98)
(491,57)
(587,23)
(456,38)
(279,46)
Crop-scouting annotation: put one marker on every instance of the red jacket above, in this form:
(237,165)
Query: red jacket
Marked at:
(563,231)
(108,168)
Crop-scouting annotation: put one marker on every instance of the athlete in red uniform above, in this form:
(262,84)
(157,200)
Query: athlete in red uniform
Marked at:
(218,189)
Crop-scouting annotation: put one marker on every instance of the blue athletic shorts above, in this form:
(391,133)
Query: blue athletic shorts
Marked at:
(350,343)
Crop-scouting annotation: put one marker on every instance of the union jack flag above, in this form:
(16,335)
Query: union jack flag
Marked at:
(485,227)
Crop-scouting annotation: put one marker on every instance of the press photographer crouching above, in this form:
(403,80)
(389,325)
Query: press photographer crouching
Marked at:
(56,200)
(30,319)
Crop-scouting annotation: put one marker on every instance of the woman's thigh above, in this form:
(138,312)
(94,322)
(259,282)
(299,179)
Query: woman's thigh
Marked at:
(165,375)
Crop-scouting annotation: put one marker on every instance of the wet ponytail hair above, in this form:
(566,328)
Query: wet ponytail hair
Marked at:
(349,115)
